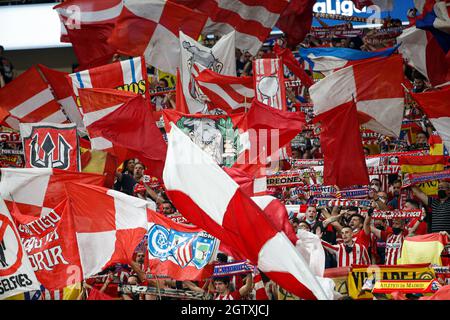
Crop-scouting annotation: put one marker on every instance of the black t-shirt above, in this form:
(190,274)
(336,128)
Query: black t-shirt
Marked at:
(6,69)
(125,184)
(440,215)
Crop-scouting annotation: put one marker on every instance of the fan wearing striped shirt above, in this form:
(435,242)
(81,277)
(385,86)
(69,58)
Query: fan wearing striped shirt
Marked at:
(348,252)
(394,240)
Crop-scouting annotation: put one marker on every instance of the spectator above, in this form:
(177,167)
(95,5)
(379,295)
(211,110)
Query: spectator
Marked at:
(394,203)
(223,291)
(349,252)
(416,226)
(125,180)
(439,219)
(6,68)
(394,240)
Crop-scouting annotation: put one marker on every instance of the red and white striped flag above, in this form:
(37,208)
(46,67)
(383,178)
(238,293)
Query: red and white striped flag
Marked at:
(435,104)
(183,253)
(269,83)
(38,191)
(108,225)
(28,98)
(151,27)
(127,75)
(64,93)
(226,92)
(376,88)
(74,14)
(252,20)
(194,180)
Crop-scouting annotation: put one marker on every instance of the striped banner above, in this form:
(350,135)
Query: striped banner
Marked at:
(341,202)
(415,178)
(387,169)
(395,214)
(233,268)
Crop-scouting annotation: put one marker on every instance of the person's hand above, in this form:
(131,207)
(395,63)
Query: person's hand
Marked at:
(444,233)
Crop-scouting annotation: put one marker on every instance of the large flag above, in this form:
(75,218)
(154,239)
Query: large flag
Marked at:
(63,93)
(48,242)
(376,88)
(28,98)
(187,253)
(75,14)
(127,75)
(16,273)
(269,83)
(131,130)
(108,225)
(295,21)
(220,58)
(88,25)
(98,103)
(435,105)
(329,59)
(425,53)
(242,140)
(38,191)
(344,162)
(214,202)
(426,248)
(48,145)
(252,20)
(150,28)
(226,92)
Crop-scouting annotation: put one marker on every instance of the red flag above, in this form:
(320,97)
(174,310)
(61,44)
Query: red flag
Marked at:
(189,251)
(132,129)
(442,294)
(28,98)
(151,28)
(214,202)
(269,83)
(344,162)
(63,93)
(180,101)
(95,294)
(90,45)
(296,20)
(226,92)
(289,60)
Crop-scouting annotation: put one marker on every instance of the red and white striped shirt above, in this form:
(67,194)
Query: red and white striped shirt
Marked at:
(235,295)
(394,245)
(358,255)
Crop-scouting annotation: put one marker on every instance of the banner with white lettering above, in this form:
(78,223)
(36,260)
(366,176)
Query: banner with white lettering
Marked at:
(16,274)
(49,242)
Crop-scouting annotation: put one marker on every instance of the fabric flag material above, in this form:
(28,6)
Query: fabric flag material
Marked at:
(127,75)
(214,202)
(48,145)
(295,21)
(99,103)
(220,59)
(426,248)
(75,14)
(150,28)
(108,225)
(63,93)
(16,273)
(425,53)
(131,130)
(250,185)
(88,25)
(442,294)
(435,105)
(28,98)
(422,164)
(38,191)
(48,242)
(187,253)
(376,88)
(344,162)
(329,59)
(95,294)
(252,20)
(180,100)
(226,92)
(288,59)
(269,83)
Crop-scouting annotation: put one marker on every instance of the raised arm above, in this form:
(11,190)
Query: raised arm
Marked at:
(420,194)
(247,287)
